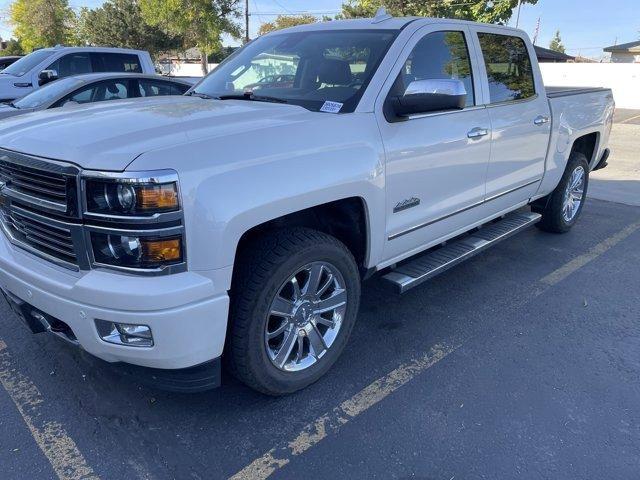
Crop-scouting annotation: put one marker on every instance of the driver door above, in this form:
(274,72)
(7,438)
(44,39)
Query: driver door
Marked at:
(436,161)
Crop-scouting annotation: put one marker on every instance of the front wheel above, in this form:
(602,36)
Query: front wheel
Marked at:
(295,299)
(564,205)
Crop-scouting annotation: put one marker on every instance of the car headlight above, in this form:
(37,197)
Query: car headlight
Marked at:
(134,221)
(131,198)
(136,251)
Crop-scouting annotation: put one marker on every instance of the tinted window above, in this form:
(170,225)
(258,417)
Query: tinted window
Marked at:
(154,88)
(508,67)
(99,92)
(438,56)
(116,62)
(25,64)
(72,64)
(48,93)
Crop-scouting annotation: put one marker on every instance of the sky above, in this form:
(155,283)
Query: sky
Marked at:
(586,26)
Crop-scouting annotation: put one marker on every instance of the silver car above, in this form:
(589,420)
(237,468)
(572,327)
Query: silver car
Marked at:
(95,87)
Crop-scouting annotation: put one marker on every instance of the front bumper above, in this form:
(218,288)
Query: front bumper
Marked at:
(188,318)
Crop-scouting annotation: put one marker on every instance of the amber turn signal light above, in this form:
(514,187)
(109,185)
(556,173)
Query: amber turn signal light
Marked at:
(161,250)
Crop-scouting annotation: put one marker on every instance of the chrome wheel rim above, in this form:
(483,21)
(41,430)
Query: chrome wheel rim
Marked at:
(574,194)
(305,317)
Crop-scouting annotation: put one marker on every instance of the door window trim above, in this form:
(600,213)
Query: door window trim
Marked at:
(537,84)
(418,35)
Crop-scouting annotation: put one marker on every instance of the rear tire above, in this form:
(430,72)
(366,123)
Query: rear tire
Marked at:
(562,208)
(279,341)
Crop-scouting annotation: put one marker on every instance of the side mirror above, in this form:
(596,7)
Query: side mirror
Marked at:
(46,76)
(422,96)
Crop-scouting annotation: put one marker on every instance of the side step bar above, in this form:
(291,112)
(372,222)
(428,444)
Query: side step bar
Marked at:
(417,270)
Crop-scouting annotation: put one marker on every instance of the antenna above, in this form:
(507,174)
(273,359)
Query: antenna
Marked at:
(381,15)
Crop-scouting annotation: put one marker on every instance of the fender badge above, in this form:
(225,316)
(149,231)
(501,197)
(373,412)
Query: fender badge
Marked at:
(405,204)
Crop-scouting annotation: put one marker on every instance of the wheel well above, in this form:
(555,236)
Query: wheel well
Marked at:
(586,145)
(343,219)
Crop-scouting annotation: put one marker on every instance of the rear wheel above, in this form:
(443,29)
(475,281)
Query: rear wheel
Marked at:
(295,298)
(561,209)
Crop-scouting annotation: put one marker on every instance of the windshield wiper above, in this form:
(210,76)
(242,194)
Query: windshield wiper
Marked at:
(200,95)
(11,104)
(252,96)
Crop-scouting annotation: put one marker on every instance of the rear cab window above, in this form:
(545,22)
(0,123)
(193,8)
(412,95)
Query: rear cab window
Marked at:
(508,65)
(116,62)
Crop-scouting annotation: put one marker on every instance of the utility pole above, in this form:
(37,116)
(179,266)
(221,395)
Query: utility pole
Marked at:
(518,16)
(246,21)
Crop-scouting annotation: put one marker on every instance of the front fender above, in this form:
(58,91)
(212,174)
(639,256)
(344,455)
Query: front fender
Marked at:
(233,183)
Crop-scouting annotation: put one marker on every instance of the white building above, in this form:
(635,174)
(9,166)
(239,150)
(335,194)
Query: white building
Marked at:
(625,53)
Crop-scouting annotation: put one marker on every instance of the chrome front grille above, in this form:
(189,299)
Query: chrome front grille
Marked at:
(37,235)
(36,183)
(40,210)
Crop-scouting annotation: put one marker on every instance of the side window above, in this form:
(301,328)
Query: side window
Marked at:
(438,56)
(116,62)
(508,67)
(154,88)
(72,64)
(179,89)
(99,92)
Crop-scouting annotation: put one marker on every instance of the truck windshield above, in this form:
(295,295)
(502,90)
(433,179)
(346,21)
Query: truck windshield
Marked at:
(302,68)
(25,64)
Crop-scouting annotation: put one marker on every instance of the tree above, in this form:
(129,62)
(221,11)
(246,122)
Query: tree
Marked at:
(119,23)
(200,22)
(496,11)
(286,21)
(556,43)
(41,23)
(13,48)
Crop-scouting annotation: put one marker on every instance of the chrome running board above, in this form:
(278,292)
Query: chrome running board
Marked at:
(417,270)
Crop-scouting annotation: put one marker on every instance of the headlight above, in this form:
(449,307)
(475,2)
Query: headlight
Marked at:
(136,251)
(123,197)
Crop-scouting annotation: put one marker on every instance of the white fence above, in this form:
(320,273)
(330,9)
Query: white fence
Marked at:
(184,69)
(623,79)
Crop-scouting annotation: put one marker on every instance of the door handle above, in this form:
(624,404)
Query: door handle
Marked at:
(478,132)
(541,120)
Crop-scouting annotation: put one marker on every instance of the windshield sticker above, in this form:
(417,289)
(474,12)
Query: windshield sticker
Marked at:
(331,107)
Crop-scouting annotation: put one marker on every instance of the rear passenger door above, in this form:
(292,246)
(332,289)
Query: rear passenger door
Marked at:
(519,113)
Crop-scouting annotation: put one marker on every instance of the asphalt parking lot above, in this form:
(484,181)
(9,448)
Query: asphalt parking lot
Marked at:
(521,363)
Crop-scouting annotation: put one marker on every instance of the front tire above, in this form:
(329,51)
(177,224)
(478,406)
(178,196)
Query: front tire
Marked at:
(294,301)
(562,208)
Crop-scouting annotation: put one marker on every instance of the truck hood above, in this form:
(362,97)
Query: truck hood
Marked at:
(110,135)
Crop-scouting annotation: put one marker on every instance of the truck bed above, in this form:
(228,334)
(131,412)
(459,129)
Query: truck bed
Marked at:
(555,92)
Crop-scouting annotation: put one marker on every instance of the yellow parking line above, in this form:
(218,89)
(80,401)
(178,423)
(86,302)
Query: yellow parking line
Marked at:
(51,437)
(593,253)
(332,421)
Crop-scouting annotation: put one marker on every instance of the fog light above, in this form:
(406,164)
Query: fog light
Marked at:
(125,333)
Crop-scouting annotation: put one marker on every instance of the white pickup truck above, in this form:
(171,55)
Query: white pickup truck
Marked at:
(171,233)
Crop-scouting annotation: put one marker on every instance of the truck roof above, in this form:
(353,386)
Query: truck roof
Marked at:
(58,48)
(380,22)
